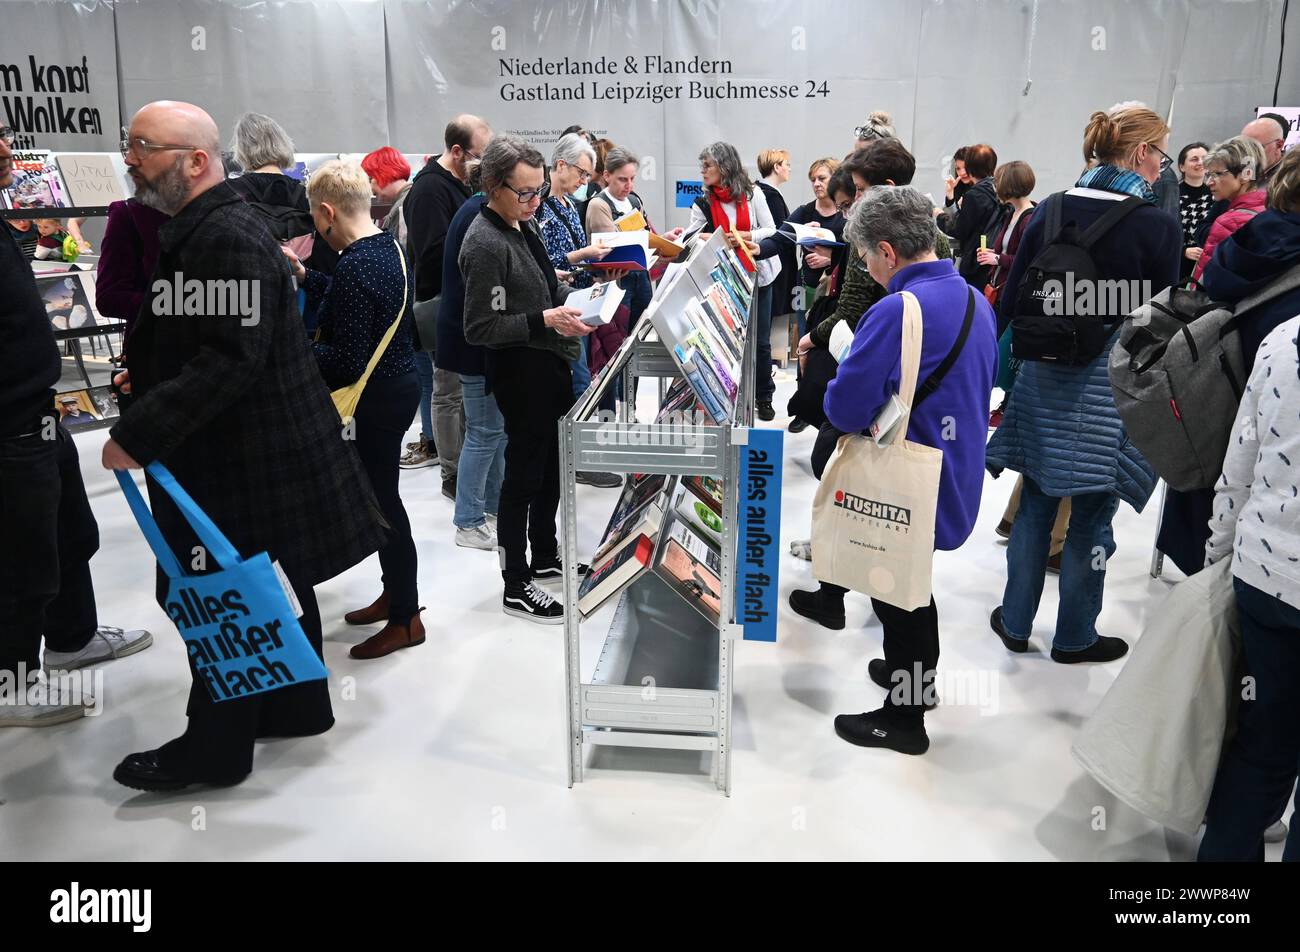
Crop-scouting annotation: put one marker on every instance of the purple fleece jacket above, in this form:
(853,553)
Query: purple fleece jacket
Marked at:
(955,417)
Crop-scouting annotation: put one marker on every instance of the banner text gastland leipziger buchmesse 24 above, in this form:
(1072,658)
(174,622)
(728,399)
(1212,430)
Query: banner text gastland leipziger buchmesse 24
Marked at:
(649,65)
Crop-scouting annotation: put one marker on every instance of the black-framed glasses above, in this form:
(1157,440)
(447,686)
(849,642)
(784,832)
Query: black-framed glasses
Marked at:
(141,146)
(867,132)
(1166,161)
(843,207)
(7,135)
(527,196)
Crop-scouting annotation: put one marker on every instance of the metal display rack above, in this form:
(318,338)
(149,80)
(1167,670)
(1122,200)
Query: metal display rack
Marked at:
(664,675)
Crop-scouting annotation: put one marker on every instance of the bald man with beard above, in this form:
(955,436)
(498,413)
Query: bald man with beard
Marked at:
(1268,130)
(234,405)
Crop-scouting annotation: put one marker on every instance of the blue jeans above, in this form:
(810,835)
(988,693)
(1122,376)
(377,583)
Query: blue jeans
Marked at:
(1259,767)
(764,386)
(482,457)
(1083,567)
(424,370)
(581,375)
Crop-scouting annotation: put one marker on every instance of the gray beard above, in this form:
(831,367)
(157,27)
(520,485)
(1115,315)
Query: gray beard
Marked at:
(168,193)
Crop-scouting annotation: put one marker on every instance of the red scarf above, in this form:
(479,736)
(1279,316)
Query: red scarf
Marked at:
(722,196)
(717,198)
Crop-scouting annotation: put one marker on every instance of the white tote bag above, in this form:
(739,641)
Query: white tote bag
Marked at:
(873,515)
(1156,738)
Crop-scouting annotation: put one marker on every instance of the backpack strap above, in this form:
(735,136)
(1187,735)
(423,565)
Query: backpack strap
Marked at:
(1052,226)
(1109,220)
(932,382)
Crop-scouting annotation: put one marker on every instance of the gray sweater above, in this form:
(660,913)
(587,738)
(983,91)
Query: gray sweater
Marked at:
(509,282)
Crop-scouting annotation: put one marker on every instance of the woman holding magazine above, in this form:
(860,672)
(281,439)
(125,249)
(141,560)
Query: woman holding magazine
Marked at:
(891,231)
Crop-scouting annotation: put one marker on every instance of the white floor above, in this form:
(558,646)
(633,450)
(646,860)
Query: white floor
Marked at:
(456,749)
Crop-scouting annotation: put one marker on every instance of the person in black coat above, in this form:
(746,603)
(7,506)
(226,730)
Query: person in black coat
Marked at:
(980,215)
(235,407)
(1264,250)
(774,169)
(264,150)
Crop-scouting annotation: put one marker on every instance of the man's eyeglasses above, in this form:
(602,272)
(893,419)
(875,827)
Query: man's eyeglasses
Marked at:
(532,193)
(7,135)
(142,147)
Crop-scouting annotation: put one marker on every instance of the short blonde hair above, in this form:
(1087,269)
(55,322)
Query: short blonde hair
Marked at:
(768,159)
(829,164)
(345,185)
(1238,154)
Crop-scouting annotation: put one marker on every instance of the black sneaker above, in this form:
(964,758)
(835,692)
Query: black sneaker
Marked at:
(449,488)
(553,571)
(797,425)
(827,611)
(878,729)
(600,480)
(879,673)
(765,411)
(526,600)
(1103,649)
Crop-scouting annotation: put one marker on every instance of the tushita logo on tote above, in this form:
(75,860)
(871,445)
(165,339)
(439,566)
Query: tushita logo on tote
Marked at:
(100,906)
(897,518)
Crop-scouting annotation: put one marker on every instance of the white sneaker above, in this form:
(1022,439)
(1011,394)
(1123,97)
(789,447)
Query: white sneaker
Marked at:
(1276,833)
(479,537)
(42,713)
(107,644)
(802,549)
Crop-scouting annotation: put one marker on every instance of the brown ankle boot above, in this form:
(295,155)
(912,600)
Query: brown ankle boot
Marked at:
(376,612)
(392,637)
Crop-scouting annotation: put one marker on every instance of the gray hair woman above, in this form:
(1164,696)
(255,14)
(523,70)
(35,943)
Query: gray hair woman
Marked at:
(260,144)
(1234,170)
(264,149)
(572,165)
(514,307)
(891,228)
(732,202)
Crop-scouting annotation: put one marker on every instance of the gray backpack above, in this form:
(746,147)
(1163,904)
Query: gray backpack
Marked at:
(1178,373)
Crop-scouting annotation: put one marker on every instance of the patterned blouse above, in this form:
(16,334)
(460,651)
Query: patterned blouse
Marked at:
(562,232)
(1194,203)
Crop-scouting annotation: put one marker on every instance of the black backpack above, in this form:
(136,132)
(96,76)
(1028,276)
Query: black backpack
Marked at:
(1042,327)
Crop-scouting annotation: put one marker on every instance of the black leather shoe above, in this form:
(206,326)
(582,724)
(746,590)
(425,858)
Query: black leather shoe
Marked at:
(1104,649)
(1018,645)
(797,425)
(826,611)
(145,771)
(765,411)
(878,671)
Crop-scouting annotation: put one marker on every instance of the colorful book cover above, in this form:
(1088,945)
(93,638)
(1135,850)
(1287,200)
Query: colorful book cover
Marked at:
(700,517)
(607,578)
(702,340)
(36,182)
(706,488)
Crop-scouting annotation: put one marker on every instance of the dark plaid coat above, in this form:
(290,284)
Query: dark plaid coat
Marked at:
(239,411)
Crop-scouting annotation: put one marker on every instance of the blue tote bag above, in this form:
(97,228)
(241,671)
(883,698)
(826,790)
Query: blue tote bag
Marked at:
(239,626)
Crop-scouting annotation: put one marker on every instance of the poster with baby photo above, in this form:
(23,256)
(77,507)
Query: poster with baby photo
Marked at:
(69,300)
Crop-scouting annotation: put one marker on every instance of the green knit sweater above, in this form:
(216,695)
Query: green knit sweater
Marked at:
(859,293)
